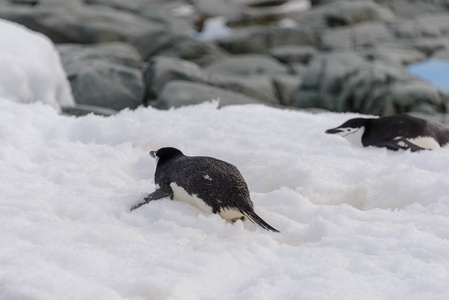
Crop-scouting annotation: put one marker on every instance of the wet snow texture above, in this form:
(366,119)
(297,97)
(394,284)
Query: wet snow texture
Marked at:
(356,223)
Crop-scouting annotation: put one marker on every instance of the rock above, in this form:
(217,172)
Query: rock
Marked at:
(366,34)
(291,53)
(430,46)
(82,110)
(161,70)
(214,8)
(164,43)
(104,84)
(343,13)
(265,13)
(287,86)
(177,93)
(82,24)
(105,75)
(175,14)
(261,39)
(345,81)
(247,65)
(409,8)
(412,96)
(442,54)
(393,53)
(114,52)
(298,68)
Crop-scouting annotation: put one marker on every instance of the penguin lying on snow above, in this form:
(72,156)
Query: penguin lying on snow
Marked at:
(400,132)
(212,185)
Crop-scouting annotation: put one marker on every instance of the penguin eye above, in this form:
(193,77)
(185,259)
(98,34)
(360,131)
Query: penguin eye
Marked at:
(348,130)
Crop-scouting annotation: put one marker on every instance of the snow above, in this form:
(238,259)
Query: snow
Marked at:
(434,70)
(31,69)
(356,223)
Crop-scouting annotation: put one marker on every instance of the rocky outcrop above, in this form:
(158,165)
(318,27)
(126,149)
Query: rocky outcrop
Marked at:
(345,81)
(340,55)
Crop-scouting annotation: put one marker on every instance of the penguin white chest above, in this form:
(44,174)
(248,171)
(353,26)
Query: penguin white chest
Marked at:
(180,194)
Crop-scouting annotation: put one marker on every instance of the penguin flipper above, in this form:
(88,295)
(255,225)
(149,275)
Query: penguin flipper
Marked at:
(156,195)
(253,217)
(401,144)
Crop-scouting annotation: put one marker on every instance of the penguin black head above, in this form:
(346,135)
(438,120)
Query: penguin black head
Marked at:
(348,127)
(352,130)
(165,154)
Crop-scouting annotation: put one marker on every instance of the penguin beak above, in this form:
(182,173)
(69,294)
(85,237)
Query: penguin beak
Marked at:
(153,154)
(334,130)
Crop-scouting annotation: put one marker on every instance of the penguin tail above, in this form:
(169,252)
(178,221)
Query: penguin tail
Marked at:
(253,217)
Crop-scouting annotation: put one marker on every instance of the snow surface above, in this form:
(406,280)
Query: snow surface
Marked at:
(31,69)
(356,223)
(434,70)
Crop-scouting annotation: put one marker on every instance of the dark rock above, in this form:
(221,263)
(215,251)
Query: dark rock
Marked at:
(247,65)
(408,8)
(103,84)
(291,53)
(261,39)
(343,13)
(174,14)
(430,46)
(164,43)
(115,52)
(79,23)
(345,81)
(287,86)
(178,93)
(393,53)
(412,96)
(366,34)
(106,75)
(161,70)
(82,110)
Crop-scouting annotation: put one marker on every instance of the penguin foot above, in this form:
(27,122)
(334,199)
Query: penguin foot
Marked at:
(238,218)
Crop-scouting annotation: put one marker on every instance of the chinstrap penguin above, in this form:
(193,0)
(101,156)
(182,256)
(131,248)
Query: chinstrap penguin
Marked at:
(212,185)
(399,132)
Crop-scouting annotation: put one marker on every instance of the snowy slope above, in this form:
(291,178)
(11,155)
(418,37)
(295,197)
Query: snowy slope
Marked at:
(356,223)
(31,69)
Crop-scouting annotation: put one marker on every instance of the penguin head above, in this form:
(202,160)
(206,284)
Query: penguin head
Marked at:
(352,130)
(166,153)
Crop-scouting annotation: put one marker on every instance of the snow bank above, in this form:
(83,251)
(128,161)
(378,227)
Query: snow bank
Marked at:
(30,68)
(356,223)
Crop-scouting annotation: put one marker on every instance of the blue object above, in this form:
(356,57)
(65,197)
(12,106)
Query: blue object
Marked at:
(434,70)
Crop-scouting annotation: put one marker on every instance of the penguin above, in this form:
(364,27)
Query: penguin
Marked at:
(398,132)
(210,184)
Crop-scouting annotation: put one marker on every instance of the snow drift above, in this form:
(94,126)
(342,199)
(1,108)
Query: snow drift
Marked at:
(31,69)
(355,222)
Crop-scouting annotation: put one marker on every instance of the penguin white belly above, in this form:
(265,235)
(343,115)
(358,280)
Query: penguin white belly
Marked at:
(230,214)
(425,142)
(180,194)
